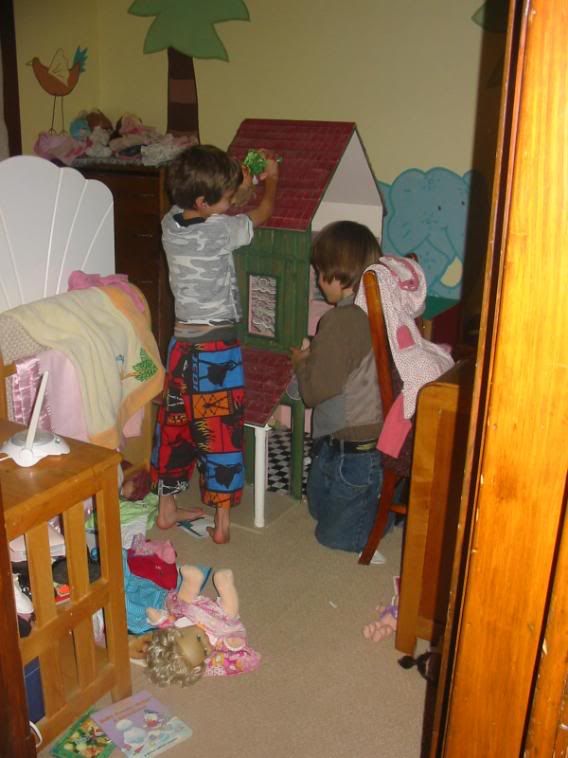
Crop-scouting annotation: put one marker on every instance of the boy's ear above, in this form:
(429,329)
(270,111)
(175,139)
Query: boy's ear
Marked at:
(200,203)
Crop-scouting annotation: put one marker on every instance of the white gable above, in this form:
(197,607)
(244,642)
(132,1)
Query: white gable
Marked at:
(352,193)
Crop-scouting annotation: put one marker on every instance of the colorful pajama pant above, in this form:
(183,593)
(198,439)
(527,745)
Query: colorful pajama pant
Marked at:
(200,422)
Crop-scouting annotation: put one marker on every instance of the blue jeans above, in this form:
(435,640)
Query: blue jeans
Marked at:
(343,491)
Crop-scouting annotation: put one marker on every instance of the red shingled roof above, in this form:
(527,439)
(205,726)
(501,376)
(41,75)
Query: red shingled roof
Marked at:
(267,374)
(310,150)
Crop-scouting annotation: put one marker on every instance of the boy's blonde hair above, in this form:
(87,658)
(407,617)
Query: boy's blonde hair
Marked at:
(343,250)
(202,171)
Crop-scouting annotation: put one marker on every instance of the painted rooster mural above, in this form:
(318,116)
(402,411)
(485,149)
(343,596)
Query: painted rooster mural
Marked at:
(59,78)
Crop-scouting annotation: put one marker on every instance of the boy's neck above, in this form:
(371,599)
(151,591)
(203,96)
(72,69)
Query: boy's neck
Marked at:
(346,292)
(190,213)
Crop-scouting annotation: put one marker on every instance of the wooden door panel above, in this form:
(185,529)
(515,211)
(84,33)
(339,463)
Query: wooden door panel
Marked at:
(519,455)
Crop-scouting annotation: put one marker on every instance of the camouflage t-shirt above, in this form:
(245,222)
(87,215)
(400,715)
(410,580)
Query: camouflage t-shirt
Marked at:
(201,267)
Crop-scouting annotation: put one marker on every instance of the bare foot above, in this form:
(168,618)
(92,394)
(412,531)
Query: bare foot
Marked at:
(169,514)
(220,532)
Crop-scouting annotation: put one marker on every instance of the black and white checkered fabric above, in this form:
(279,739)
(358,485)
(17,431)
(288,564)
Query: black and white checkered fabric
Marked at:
(279,460)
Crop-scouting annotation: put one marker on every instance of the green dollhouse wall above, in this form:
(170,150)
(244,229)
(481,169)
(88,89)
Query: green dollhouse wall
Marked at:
(284,255)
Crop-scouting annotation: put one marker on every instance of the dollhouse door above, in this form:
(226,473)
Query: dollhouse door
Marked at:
(503,667)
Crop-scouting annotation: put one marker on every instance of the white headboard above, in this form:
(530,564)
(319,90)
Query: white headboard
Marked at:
(52,221)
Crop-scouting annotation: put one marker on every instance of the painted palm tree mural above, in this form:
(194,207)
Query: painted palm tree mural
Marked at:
(186,29)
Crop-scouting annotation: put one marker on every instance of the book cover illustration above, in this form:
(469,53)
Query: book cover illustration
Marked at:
(197,527)
(85,738)
(141,726)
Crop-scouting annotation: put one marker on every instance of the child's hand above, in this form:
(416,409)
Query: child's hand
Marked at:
(297,355)
(271,169)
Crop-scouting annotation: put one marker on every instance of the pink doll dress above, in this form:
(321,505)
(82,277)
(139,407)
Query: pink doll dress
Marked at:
(231,654)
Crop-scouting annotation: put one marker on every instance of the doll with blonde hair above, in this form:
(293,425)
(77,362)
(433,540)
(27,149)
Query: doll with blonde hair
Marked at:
(198,636)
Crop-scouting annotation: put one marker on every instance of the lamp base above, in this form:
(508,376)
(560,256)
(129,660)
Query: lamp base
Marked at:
(44,444)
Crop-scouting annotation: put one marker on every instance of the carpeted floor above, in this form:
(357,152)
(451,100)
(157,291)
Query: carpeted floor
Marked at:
(322,691)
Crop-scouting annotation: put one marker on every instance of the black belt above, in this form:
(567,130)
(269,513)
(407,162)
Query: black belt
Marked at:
(348,446)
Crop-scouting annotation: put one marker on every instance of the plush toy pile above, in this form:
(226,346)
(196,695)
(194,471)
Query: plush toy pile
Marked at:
(93,136)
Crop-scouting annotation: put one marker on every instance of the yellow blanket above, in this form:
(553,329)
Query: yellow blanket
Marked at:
(111,346)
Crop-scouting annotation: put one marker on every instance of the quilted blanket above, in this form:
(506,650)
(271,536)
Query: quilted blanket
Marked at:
(109,342)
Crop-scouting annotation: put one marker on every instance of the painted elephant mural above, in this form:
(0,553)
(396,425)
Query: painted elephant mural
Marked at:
(431,214)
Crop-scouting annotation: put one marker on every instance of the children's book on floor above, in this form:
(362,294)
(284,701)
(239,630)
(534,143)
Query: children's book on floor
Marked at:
(85,738)
(141,726)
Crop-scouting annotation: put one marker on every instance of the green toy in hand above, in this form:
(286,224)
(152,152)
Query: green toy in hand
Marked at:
(255,162)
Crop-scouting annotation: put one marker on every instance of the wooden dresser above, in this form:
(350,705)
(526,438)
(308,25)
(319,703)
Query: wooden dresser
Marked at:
(140,201)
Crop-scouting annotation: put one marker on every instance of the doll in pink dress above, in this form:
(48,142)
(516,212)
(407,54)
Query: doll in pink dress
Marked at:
(197,635)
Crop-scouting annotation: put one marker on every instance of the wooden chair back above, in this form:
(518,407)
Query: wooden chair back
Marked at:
(384,366)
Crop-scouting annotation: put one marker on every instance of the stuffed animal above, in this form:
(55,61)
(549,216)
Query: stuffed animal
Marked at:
(98,143)
(198,636)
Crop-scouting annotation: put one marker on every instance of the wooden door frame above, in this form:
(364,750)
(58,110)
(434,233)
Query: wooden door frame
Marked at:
(10,77)
(512,505)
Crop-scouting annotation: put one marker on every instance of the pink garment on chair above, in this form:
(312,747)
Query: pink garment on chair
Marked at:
(78,280)
(395,429)
(402,285)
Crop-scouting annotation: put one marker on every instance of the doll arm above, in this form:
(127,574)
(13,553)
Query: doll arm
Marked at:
(159,617)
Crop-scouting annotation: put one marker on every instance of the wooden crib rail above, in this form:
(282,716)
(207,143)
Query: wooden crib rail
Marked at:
(74,671)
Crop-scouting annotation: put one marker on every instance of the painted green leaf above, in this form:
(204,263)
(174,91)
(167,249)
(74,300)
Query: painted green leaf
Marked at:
(492,16)
(188,25)
(145,369)
(147,7)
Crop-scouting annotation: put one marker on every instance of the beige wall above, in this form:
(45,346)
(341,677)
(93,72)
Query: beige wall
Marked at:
(406,72)
(42,28)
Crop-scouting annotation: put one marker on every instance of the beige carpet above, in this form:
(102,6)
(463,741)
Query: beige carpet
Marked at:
(322,691)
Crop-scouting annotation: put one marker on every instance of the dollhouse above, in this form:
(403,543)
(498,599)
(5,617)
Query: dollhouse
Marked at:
(325,176)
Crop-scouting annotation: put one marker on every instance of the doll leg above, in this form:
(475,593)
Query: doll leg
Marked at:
(225,585)
(191,584)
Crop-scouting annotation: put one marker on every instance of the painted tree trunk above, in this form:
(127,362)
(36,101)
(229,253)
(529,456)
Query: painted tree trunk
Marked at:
(183,114)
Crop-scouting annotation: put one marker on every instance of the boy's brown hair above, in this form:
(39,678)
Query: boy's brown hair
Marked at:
(202,171)
(343,250)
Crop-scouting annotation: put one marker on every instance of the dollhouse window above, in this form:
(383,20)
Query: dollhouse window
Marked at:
(263,300)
